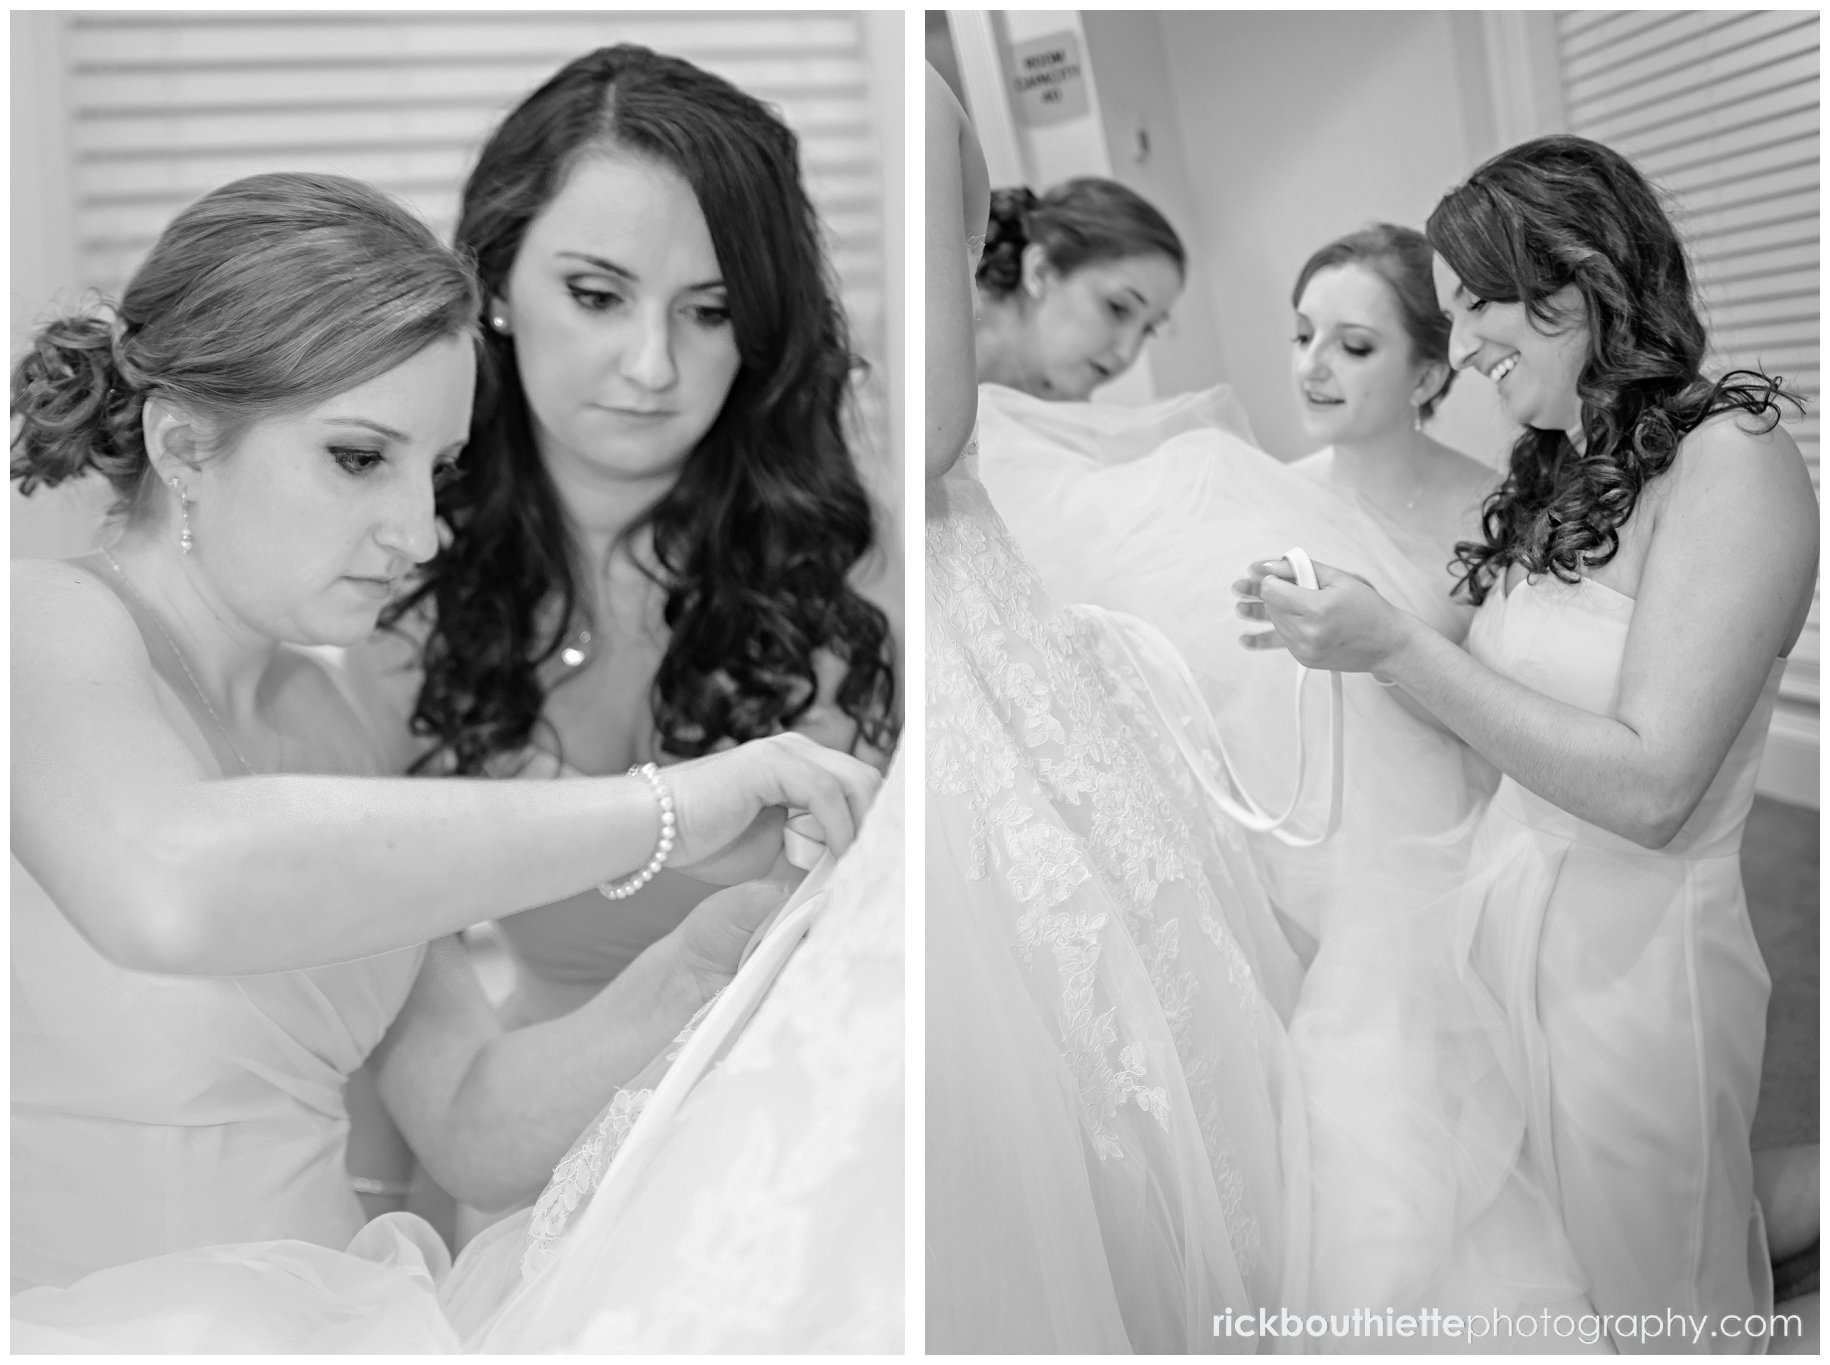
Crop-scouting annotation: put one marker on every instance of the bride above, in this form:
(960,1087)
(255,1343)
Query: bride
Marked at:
(1112,1131)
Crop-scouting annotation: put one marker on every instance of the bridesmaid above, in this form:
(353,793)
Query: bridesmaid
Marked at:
(1642,573)
(658,543)
(218,910)
(1071,285)
(1371,365)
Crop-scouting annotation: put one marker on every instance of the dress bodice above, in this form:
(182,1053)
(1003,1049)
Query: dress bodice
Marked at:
(153,1113)
(1568,641)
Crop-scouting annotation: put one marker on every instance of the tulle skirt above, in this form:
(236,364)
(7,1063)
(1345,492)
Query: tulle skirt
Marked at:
(1425,1191)
(1155,512)
(768,1218)
(1114,1137)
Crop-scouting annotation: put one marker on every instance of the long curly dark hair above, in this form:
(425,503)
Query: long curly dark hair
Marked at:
(756,537)
(1565,211)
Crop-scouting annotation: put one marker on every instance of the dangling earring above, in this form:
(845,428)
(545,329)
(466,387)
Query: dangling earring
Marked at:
(1417,418)
(184,511)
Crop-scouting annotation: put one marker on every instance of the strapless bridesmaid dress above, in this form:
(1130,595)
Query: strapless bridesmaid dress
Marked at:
(1633,988)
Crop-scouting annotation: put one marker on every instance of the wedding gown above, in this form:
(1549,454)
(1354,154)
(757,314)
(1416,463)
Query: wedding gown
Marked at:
(1156,511)
(1115,1152)
(1633,988)
(767,1216)
(1421,1193)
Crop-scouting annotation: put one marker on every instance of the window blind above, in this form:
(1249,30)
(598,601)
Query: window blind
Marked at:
(166,106)
(1720,110)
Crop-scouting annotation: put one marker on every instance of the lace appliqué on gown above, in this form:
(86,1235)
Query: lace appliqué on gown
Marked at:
(1016,686)
(575,1179)
(825,1047)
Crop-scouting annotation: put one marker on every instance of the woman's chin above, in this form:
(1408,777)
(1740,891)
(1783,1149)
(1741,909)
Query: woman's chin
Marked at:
(340,630)
(1322,425)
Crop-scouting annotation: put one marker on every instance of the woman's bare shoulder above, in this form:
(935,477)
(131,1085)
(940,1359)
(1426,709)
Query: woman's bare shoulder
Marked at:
(33,578)
(1752,460)
(62,608)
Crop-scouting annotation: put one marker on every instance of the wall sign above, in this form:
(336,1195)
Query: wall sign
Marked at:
(1048,80)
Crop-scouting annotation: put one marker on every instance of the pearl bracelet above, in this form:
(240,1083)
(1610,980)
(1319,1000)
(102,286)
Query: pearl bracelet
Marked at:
(664,846)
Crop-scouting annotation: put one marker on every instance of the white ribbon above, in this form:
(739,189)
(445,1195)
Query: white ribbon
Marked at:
(1243,808)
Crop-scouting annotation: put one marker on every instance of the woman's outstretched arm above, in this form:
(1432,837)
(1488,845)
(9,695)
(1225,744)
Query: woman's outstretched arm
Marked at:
(165,867)
(489,1111)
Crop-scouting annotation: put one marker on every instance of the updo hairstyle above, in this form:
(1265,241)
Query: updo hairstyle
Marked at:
(268,295)
(1079,223)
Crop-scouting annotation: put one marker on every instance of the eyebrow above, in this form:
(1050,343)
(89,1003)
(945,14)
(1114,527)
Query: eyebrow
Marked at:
(1301,316)
(372,425)
(612,268)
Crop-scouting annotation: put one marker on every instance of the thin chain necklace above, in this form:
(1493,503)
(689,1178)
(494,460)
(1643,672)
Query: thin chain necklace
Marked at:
(190,677)
(1423,482)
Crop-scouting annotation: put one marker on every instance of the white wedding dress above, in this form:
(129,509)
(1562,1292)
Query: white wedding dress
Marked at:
(767,1216)
(1156,511)
(1115,1150)
(1424,1192)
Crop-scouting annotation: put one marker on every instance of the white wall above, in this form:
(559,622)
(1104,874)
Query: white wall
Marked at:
(1146,147)
(1301,126)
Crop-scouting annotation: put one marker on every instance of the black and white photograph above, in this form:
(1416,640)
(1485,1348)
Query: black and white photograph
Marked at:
(536,830)
(457,681)
(1371,681)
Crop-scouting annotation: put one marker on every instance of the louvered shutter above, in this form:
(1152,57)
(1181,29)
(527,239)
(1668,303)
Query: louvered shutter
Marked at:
(166,106)
(1720,109)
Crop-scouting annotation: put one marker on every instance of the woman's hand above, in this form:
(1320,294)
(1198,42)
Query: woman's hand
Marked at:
(729,807)
(709,943)
(1344,625)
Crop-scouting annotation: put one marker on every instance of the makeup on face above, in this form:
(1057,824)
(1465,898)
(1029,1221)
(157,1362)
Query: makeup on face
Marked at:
(1534,371)
(1089,326)
(1351,358)
(315,519)
(621,320)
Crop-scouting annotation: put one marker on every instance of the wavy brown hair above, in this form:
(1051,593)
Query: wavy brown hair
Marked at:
(1565,211)
(757,537)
